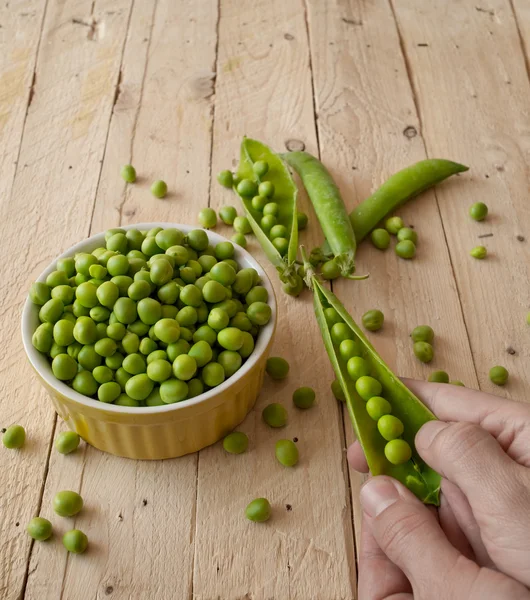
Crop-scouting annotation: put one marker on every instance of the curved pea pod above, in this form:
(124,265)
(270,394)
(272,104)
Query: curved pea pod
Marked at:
(285,196)
(329,207)
(415,474)
(398,189)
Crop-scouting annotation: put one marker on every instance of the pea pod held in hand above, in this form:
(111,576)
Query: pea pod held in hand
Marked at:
(285,193)
(329,207)
(377,439)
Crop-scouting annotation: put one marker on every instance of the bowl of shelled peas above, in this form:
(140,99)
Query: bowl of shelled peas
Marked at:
(151,339)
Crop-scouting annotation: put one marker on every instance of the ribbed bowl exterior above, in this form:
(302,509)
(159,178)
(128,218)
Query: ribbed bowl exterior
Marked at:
(164,431)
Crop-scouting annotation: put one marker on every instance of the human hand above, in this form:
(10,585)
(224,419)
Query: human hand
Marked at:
(477,545)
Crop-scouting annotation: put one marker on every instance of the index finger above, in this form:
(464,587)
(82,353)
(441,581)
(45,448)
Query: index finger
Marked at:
(455,403)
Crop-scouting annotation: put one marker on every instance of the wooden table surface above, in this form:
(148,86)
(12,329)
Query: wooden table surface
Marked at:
(171,86)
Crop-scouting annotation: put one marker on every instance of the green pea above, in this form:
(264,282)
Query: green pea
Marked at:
(259,313)
(257,294)
(159,370)
(228,213)
(173,390)
(39,529)
(102,374)
(278,231)
(115,361)
(125,400)
(201,352)
(56,278)
(242,225)
(107,294)
(130,343)
(105,347)
(394,224)
(422,333)
(147,345)
(373,320)
(213,374)
(51,311)
(156,355)
(213,292)
(64,293)
(191,295)
(154,398)
(138,290)
(64,367)
(230,338)
(337,391)
(207,262)
(528,319)
(479,252)
(266,188)
(67,503)
(277,367)
(78,310)
(478,211)
(208,218)
(14,437)
(122,377)
(304,397)
(223,273)
(406,233)
(118,265)
(230,361)
(55,350)
(357,367)
(281,244)
(235,442)
(247,187)
(286,452)
(109,391)
(186,333)
(275,415)
(380,238)
(125,310)
(134,238)
(330,270)
(498,375)
(225,178)
(195,388)
(198,239)
(84,383)
(229,306)
(268,222)
(260,168)
(241,321)
(423,351)
(390,427)
(167,238)
(206,332)
(259,510)
(39,293)
(123,282)
(117,243)
(184,367)
(349,348)
(332,317)
(340,332)
(88,358)
(302,220)
(134,364)
(159,188)
(457,382)
(187,274)
(63,332)
(83,262)
(377,407)
(398,452)
(439,377)
(367,387)
(138,387)
(259,202)
(149,310)
(248,345)
(406,249)
(75,541)
(67,442)
(67,265)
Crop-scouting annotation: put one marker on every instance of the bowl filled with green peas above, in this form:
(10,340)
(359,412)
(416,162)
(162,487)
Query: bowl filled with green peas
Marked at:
(151,339)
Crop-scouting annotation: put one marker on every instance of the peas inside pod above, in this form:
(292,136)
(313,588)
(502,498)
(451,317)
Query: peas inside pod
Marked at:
(164,317)
(385,414)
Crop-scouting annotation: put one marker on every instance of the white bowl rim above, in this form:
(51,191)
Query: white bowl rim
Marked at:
(43,368)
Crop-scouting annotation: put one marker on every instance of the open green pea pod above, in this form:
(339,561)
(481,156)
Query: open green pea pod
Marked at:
(415,474)
(285,192)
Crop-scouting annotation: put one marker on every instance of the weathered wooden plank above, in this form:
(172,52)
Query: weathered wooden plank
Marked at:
(369,129)
(478,111)
(49,209)
(140,515)
(263,89)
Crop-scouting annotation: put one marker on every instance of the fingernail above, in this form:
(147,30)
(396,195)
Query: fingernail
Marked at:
(428,432)
(377,494)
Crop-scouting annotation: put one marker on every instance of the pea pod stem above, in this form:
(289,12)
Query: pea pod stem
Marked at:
(329,207)
(423,481)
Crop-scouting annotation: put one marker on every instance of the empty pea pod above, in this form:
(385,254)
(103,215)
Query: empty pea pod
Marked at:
(405,407)
(285,192)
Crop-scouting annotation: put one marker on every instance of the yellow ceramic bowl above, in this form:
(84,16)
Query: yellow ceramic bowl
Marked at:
(159,431)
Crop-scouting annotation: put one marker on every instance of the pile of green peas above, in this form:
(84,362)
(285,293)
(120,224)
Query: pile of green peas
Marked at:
(422,337)
(351,352)
(407,238)
(261,197)
(153,317)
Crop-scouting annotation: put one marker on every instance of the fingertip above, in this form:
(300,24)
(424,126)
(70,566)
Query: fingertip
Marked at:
(356,458)
(428,433)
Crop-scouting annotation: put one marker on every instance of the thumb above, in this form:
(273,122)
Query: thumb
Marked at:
(409,534)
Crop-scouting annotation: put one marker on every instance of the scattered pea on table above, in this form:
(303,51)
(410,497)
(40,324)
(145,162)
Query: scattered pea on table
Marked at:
(67,503)
(75,541)
(39,529)
(14,437)
(259,510)
(235,442)
(498,375)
